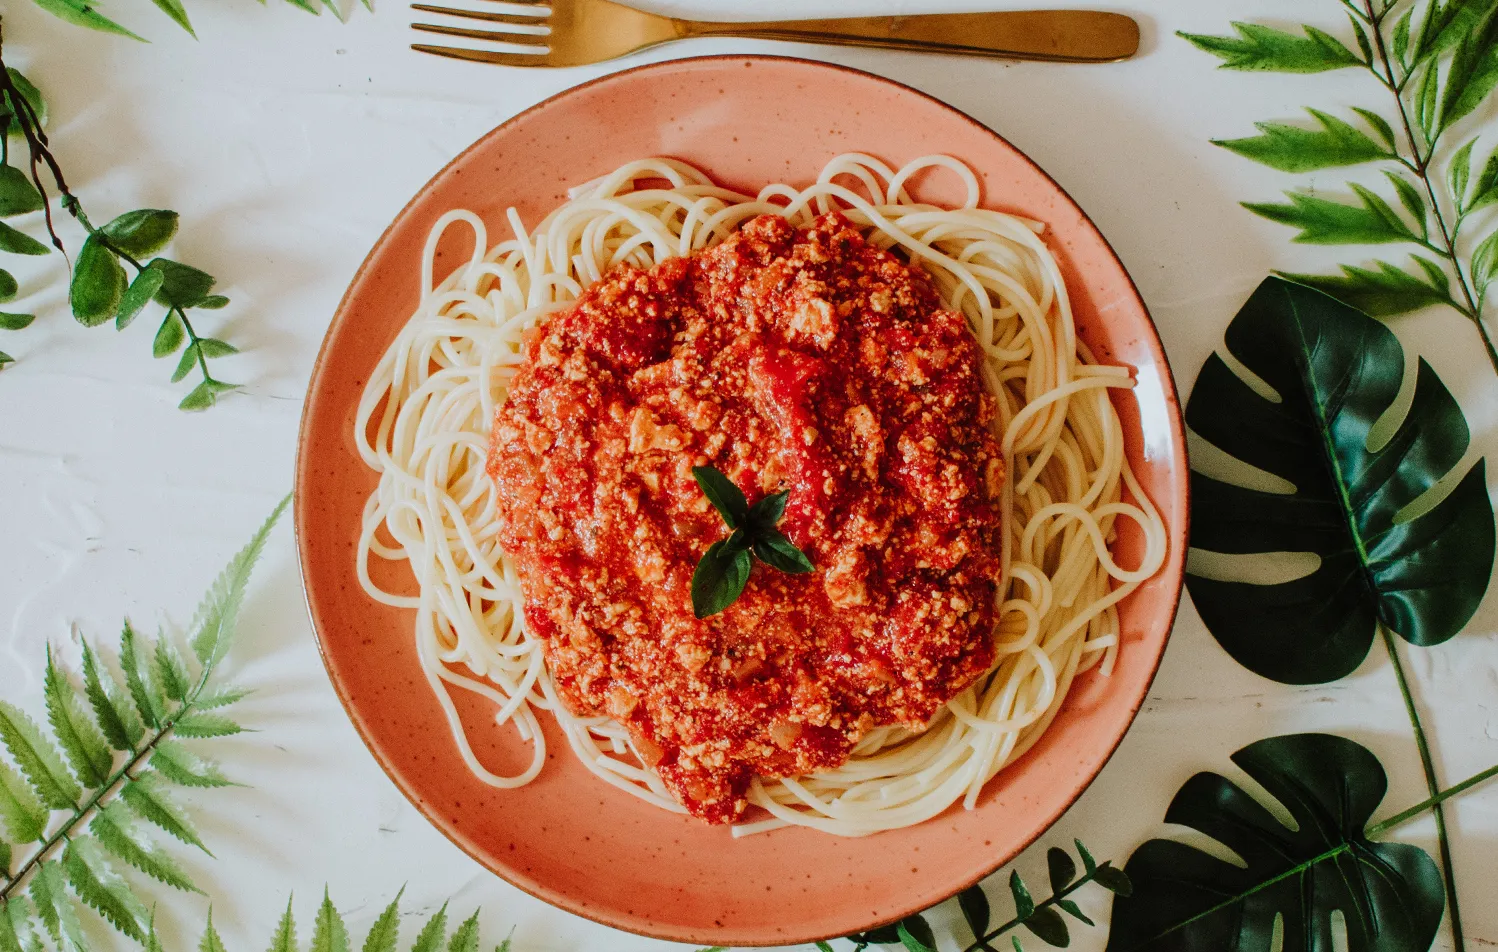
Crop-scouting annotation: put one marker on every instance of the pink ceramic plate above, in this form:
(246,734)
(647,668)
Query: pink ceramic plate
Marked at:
(568,837)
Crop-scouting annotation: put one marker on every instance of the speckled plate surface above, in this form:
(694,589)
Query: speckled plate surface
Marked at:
(568,837)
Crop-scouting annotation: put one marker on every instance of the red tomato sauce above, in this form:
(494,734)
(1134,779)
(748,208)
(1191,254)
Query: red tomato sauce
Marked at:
(791,359)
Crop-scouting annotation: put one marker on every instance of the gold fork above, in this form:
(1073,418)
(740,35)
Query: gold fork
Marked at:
(575,32)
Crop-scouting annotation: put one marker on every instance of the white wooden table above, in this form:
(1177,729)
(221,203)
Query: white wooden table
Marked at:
(288,142)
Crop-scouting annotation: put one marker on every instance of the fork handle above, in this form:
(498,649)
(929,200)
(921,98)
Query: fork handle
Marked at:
(1072,36)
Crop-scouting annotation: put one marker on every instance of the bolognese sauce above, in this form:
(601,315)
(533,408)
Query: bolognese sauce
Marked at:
(799,359)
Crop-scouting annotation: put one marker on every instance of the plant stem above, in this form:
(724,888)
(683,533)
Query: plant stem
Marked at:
(982,941)
(1384,71)
(1431,785)
(1404,816)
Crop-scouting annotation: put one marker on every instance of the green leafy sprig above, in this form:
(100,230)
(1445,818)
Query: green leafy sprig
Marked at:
(116,749)
(723,571)
(101,291)
(85,14)
(1041,919)
(1438,62)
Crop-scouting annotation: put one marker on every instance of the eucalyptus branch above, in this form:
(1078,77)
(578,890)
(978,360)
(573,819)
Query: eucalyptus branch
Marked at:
(100,291)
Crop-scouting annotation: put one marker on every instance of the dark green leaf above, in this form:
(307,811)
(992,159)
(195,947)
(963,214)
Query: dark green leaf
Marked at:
(1075,911)
(1263,48)
(137,296)
(214,622)
(30,94)
(1485,261)
(210,942)
(103,889)
(1324,222)
(719,579)
(429,939)
(1014,940)
(23,813)
(1411,199)
(38,759)
(98,284)
(1061,867)
(147,796)
(1364,46)
(466,938)
(767,512)
(1387,292)
(723,494)
(1390,894)
(1024,904)
(823,946)
(184,285)
(778,552)
(884,935)
(1293,149)
(15,322)
(284,938)
(82,13)
(116,832)
(188,361)
(169,336)
(18,195)
(1445,24)
(1380,125)
(9,288)
(181,766)
(1114,880)
(143,232)
(85,746)
(329,934)
(385,932)
(20,243)
(1427,101)
(1459,172)
(1434,274)
(1485,189)
(115,717)
(1089,865)
(1048,926)
(1335,371)
(915,934)
(174,9)
(1401,41)
(150,702)
(203,724)
(212,302)
(974,904)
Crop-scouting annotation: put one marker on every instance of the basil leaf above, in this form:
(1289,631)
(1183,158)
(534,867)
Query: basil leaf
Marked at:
(1335,372)
(137,295)
(1293,149)
(182,285)
(20,243)
(98,284)
(1263,48)
(18,195)
(775,550)
(1390,894)
(719,579)
(1323,222)
(143,232)
(723,494)
(767,512)
(1387,292)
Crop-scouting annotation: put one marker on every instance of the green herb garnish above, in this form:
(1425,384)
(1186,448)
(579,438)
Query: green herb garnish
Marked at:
(724,571)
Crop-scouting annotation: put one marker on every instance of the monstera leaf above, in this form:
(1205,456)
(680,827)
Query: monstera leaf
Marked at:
(1290,880)
(1333,372)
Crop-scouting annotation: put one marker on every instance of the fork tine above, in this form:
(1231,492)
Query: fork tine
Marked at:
(482,56)
(519,39)
(538,23)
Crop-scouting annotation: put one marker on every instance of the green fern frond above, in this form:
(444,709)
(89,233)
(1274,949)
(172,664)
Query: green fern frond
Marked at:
(15,916)
(119,723)
(213,623)
(170,670)
(147,796)
(284,938)
(210,941)
(385,932)
(466,938)
(23,813)
(329,934)
(150,701)
(431,935)
(200,724)
(223,697)
(38,759)
(185,768)
(115,830)
(83,742)
(102,888)
(55,907)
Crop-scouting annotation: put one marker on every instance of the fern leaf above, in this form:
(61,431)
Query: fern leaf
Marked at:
(284,939)
(117,720)
(103,889)
(150,703)
(147,796)
(210,941)
(185,768)
(171,672)
(14,916)
(466,938)
(153,940)
(220,698)
(116,832)
(85,746)
(5,858)
(385,932)
(55,907)
(216,616)
(329,934)
(38,759)
(24,815)
(431,935)
(199,724)
(505,945)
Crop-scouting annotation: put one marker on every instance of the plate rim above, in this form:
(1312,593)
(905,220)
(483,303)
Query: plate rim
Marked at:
(300,505)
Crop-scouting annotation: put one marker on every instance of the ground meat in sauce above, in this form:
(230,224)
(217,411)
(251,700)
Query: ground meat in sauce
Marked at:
(799,359)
